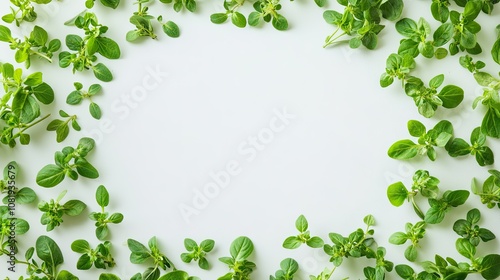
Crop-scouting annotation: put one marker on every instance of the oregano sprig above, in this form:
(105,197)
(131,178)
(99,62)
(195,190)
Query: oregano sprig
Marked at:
(239,265)
(61,127)
(103,218)
(14,194)
(69,162)
(197,252)
(79,94)
(37,44)
(304,236)
(54,210)
(85,48)
(100,257)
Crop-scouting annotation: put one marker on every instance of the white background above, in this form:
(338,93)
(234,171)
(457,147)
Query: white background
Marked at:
(220,86)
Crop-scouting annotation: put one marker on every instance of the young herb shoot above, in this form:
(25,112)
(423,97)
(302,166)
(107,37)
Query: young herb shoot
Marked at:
(304,236)
(103,218)
(197,252)
(53,211)
(100,257)
(79,94)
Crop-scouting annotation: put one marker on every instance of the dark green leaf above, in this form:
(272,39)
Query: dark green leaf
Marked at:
(50,176)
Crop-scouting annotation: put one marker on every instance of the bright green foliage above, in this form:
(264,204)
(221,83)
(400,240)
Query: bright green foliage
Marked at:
(361,21)
(489,192)
(89,4)
(85,49)
(61,127)
(438,136)
(23,10)
(13,194)
(103,218)
(37,44)
(439,207)
(79,94)
(414,232)
(289,268)
(267,10)
(51,258)
(495,50)
(417,41)
(239,265)
(20,105)
(490,98)
(304,236)
(470,230)
(197,252)
(423,184)
(70,162)
(231,6)
(100,257)
(465,29)
(144,26)
(190,5)
(397,67)
(7,221)
(358,244)
(142,254)
(54,210)
(459,147)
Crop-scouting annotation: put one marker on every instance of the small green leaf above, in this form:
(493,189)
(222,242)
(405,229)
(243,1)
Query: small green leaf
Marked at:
(403,149)
(102,72)
(50,175)
(74,207)
(80,246)
(292,242)
(301,224)
(95,110)
(397,194)
(241,248)
(238,19)
(102,196)
(171,29)
(218,18)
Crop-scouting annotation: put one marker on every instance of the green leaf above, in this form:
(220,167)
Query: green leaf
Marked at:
(458,147)
(25,196)
(241,248)
(62,132)
(80,246)
(110,3)
(301,224)
(218,18)
(451,96)
(443,34)
(411,253)
(39,35)
(116,218)
(292,242)
(207,245)
(84,168)
(107,48)
(315,242)
(491,123)
(74,207)
(50,175)
(397,194)
(465,248)
(489,267)
(407,27)
(416,128)
(5,34)
(435,215)
(140,253)
(404,271)
(403,149)
(102,72)
(171,29)
(484,156)
(74,98)
(398,238)
(238,19)
(48,251)
(457,198)
(254,18)
(437,81)
(66,275)
(95,111)
(280,22)
(108,276)
(392,9)
(102,196)
(495,51)
(74,42)
(175,275)
(34,79)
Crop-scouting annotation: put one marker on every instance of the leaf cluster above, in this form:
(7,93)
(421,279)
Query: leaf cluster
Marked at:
(240,267)
(288,269)
(54,210)
(142,254)
(37,44)
(12,193)
(483,154)
(267,11)
(20,105)
(79,94)
(100,257)
(197,252)
(469,229)
(7,222)
(69,162)
(361,21)
(304,236)
(144,26)
(23,10)
(61,127)
(438,136)
(84,50)
(103,218)
(489,191)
